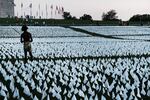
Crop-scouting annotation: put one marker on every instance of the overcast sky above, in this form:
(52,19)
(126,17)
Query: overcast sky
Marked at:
(124,8)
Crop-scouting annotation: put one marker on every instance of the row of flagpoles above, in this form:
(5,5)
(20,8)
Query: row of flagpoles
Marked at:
(51,11)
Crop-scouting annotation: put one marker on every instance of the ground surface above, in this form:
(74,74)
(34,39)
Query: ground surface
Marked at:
(81,62)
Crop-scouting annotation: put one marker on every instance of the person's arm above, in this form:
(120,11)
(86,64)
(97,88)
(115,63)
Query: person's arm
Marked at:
(21,40)
(31,38)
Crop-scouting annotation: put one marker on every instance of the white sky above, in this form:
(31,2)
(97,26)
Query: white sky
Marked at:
(124,8)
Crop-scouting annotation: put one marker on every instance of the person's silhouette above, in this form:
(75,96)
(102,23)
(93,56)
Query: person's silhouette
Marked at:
(26,39)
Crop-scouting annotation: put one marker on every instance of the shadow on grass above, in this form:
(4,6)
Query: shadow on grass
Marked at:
(91,33)
(130,35)
(108,36)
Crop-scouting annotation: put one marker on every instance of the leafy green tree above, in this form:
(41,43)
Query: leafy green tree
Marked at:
(86,17)
(67,15)
(139,18)
(110,16)
(74,18)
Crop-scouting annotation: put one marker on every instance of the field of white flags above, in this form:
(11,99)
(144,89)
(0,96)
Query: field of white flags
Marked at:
(73,65)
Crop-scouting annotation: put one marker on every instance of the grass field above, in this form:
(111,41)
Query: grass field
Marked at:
(92,62)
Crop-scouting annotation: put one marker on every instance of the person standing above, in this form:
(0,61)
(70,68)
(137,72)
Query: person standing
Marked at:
(26,39)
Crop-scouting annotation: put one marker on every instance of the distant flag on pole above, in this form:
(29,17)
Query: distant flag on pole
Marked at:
(56,11)
(30,9)
(51,6)
(21,10)
(51,11)
(39,6)
(21,5)
(62,9)
(39,11)
(56,7)
(46,12)
(59,10)
(30,5)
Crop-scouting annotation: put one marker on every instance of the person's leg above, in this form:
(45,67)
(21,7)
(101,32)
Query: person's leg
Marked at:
(25,54)
(30,53)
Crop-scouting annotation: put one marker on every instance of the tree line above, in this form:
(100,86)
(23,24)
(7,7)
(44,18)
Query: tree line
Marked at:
(109,16)
(67,15)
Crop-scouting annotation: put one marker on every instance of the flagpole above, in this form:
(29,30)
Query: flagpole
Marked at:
(55,12)
(42,14)
(51,11)
(46,12)
(24,14)
(62,9)
(21,10)
(39,11)
(30,9)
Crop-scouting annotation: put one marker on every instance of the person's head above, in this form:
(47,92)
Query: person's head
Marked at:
(24,28)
